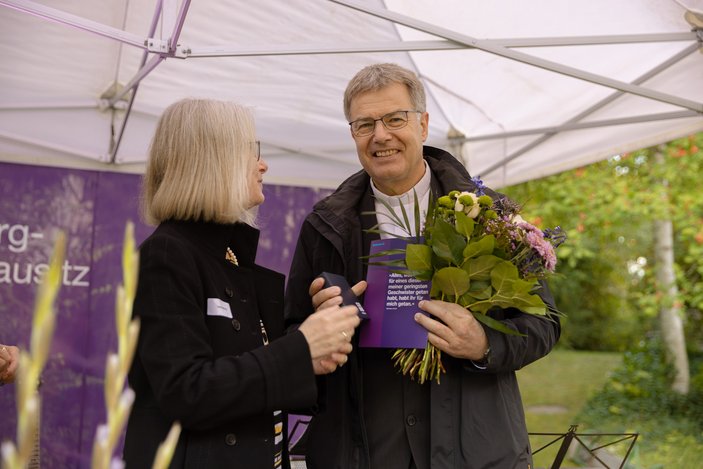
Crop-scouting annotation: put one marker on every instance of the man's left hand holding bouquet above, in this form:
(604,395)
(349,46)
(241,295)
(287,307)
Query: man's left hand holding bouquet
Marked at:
(456,333)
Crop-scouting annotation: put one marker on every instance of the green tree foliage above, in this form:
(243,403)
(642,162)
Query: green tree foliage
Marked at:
(637,397)
(606,287)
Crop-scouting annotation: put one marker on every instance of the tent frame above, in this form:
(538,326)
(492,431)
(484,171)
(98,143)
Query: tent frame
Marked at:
(173,17)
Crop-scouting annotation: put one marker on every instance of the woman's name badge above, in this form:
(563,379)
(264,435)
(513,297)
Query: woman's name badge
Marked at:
(217,307)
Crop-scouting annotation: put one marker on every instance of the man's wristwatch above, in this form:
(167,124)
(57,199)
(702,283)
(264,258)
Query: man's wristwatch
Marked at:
(486,355)
(482,364)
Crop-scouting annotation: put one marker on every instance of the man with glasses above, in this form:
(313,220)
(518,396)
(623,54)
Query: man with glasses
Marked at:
(368,415)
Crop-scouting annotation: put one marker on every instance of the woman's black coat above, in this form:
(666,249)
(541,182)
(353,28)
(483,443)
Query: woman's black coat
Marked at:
(201,359)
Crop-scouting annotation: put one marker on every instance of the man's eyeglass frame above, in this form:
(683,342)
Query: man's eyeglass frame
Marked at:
(383,119)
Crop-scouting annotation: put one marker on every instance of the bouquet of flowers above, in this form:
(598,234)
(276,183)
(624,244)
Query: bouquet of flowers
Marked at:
(479,253)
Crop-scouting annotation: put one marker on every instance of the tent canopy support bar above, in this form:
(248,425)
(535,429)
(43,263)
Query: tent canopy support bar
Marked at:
(69,19)
(522,57)
(599,105)
(59,16)
(35,142)
(581,125)
(409,46)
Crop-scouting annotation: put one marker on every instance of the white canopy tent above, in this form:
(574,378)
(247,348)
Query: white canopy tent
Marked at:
(518,90)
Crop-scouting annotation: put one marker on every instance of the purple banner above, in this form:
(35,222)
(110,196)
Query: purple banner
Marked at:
(92,208)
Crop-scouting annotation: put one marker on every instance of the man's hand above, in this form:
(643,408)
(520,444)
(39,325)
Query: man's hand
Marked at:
(324,298)
(459,334)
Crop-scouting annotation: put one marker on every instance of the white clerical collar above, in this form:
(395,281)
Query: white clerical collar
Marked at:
(383,215)
(421,189)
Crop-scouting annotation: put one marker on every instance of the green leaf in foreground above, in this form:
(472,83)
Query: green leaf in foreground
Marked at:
(447,243)
(480,268)
(511,292)
(493,324)
(481,247)
(464,225)
(418,257)
(452,281)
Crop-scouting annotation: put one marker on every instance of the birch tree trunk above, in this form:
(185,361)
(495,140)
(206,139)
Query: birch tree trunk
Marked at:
(670,315)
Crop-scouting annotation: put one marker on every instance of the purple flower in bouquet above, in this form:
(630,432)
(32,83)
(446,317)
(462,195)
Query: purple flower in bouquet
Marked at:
(543,249)
(480,188)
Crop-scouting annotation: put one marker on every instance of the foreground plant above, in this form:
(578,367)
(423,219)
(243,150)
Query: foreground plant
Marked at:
(118,398)
(32,363)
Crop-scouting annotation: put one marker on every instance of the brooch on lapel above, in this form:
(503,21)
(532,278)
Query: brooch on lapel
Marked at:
(229,256)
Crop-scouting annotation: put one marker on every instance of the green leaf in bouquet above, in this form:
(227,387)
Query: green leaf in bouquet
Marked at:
(525,302)
(406,220)
(511,292)
(402,223)
(480,289)
(500,253)
(505,278)
(464,225)
(505,270)
(480,268)
(480,247)
(447,243)
(420,274)
(435,292)
(438,262)
(494,324)
(387,252)
(416,212)
(400,263)
(418,257)
(376,230)
(451,281)
(466,299)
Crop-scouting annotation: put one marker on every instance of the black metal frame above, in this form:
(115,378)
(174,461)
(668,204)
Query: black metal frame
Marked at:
(298,453)
(571,435)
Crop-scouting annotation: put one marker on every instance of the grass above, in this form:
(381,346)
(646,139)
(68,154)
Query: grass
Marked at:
(555,388)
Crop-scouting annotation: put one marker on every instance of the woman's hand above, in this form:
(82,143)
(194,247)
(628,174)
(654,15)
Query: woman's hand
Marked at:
(329,332)
(9,361)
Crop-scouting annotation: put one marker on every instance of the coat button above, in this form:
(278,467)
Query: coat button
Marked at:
(229,292)
(231,439)
(236,325)
(411,420)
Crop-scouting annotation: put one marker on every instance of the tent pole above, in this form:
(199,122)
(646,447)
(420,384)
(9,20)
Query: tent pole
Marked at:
(146,68)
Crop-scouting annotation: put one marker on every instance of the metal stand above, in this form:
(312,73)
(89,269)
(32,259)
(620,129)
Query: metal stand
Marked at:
(568,437)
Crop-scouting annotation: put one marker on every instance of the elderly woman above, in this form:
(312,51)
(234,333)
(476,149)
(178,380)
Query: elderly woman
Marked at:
(212,353)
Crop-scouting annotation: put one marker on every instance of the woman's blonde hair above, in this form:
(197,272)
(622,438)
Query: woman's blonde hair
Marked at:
(200,159)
